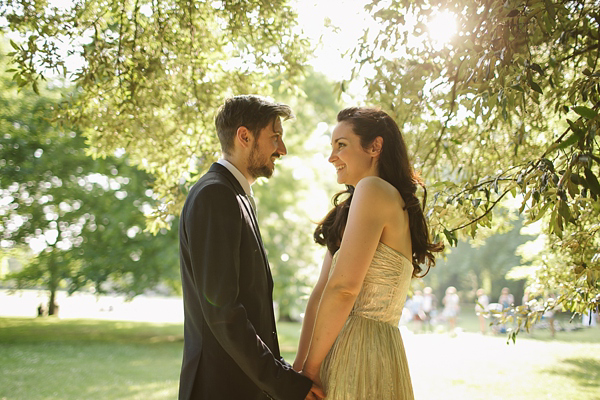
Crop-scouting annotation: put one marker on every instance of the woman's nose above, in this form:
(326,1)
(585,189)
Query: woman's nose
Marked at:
(332,157)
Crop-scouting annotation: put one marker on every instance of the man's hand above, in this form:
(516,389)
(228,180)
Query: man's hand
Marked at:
(313,375)
(315,393)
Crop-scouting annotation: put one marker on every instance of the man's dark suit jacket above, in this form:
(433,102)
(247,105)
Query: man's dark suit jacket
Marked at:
(231,350)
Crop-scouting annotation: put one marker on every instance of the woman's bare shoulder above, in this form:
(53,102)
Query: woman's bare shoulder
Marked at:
(377,189)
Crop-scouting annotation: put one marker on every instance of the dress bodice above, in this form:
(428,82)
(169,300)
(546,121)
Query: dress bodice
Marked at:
(385,287)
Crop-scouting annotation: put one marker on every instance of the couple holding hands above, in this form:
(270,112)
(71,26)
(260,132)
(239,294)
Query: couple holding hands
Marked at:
(376,237)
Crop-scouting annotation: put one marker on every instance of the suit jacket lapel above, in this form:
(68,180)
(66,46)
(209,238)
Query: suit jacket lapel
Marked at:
(246,201)
(250,210)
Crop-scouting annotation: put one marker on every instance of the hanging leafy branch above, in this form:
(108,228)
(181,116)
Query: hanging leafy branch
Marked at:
(508,105)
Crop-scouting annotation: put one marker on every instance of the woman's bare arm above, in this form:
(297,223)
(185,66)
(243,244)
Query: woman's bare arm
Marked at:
(308,323)
(366,220)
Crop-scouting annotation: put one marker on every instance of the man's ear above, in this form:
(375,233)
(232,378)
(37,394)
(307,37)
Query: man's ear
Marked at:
(376,146)
(244,136)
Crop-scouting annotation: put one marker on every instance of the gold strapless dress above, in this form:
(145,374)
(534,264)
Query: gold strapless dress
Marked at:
(367,360)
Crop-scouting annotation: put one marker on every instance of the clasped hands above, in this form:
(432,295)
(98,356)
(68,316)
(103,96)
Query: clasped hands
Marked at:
(316,391)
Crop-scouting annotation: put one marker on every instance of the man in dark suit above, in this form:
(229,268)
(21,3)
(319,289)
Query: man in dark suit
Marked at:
(231,349)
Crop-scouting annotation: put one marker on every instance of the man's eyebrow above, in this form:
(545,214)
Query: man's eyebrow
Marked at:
(277,129)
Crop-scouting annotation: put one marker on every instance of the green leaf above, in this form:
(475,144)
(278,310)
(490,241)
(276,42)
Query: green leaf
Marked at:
(571,140)
(537,68)
(579,180)
(574,127)
(556,223)
(550,9)
(592,181)
(541,213)
(585,112)
(473,231)
(512,13)
(450,236)
(35,88)
(535,87)
(14,45)
(563,210)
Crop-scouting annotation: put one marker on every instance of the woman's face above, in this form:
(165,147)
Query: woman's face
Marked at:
(351,161)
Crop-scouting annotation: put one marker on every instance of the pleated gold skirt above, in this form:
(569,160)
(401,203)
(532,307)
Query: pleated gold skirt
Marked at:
(367,362)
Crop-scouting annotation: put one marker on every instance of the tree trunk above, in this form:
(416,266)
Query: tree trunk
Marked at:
(52,304)
(53,282)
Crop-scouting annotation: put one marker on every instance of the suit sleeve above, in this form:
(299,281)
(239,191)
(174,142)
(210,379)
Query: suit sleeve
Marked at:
(214,219)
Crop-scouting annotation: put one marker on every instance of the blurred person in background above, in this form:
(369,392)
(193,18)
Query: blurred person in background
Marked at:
(416,309)
(506,298)
(480,308)
(451,303)
(590,318)
(429,308)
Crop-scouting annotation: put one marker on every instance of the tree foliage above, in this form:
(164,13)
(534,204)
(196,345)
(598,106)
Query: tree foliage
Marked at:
(84,216)
(154,72)
(508,106)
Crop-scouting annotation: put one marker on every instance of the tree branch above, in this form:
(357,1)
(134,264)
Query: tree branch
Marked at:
(452,104)
(484,214)
(576,53)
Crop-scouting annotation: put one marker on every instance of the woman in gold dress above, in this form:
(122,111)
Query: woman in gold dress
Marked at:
(377,238)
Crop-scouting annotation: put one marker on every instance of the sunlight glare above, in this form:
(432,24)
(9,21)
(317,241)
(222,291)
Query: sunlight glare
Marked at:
(442,27)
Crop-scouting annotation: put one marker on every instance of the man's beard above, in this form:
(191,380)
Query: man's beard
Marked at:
(258,169)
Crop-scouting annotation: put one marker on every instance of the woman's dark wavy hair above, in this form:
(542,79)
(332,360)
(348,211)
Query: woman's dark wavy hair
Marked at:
(394,166)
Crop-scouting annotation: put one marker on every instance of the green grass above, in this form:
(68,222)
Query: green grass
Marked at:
(73,359)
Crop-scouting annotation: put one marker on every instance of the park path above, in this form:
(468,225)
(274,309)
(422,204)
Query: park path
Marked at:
(469,364)
(24,303)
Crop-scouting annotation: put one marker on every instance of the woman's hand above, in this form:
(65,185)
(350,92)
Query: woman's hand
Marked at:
(313,375)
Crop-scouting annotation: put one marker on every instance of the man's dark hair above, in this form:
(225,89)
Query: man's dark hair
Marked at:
(253,112)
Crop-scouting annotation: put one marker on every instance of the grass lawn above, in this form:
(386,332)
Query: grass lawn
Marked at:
(74,359)
(49,358)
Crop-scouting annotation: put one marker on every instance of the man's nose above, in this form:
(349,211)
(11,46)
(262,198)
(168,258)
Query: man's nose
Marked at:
(281,149)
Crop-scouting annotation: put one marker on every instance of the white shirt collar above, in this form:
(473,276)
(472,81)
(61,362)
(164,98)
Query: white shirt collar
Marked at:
(238,175)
